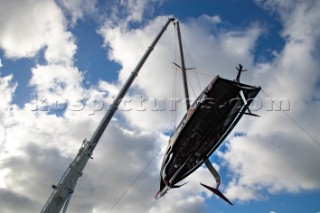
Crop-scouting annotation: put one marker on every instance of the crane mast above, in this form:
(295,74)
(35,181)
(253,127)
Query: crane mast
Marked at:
(62,193)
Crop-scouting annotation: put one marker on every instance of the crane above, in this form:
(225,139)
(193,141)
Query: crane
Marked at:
(61,195)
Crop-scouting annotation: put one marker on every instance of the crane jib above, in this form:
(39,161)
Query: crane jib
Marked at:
(61,194)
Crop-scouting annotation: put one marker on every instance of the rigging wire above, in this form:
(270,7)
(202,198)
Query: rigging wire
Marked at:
(177,88)
(193,65)
(198,80)
(295,122)
(133,182)
(173,95)
(194,94)
(207,74)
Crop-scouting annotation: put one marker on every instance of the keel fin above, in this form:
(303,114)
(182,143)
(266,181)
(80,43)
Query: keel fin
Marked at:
(217,192)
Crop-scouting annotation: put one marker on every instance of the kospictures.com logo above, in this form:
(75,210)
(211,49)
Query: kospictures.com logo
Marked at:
(139,103)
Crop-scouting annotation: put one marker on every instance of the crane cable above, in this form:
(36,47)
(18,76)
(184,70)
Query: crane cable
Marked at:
(133,182)
(295,122)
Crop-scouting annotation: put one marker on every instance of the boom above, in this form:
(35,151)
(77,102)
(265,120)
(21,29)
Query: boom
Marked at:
(62,193)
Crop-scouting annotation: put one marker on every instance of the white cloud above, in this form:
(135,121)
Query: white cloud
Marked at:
(7,89)
(57,83)
(24,37)
(135,9)
(212,19)
(78,9)
(125,12)
(234,191)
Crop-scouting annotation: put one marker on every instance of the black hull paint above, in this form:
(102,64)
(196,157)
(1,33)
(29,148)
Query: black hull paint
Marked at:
(204,127)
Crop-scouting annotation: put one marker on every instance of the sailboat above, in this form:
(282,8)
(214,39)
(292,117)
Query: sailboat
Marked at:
(204,127)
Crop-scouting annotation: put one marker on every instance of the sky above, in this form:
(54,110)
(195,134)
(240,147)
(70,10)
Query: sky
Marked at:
(63,61)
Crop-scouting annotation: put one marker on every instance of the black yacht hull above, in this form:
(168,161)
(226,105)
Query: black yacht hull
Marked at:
(204,127)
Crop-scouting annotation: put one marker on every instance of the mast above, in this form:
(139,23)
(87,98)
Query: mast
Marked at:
(183,68)
(62,193)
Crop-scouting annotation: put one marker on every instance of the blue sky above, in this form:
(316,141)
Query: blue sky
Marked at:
(73,52)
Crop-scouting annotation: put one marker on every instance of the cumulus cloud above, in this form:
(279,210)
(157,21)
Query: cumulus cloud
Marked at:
(57,83)
(78,9)
(137,9)
(278,154)
(23,33)
(9,200)
(7,89)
